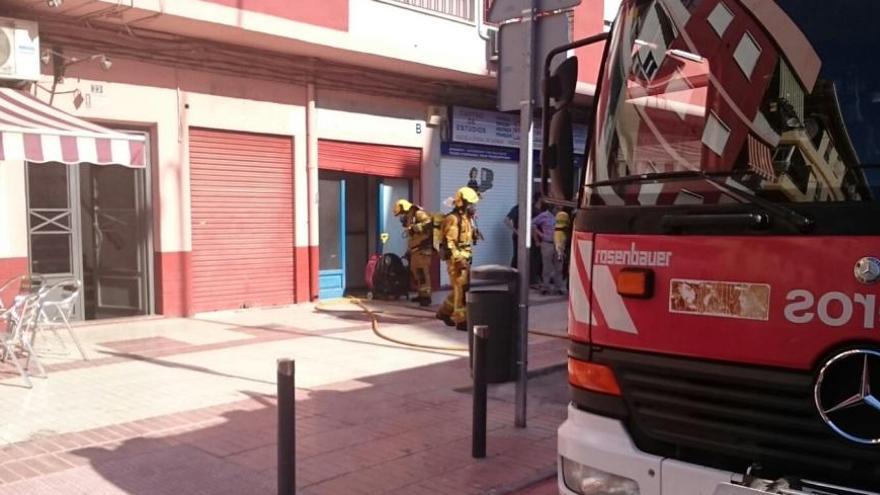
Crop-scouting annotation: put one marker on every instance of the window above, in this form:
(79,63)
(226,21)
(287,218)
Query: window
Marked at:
(747,54)
(794,136)
(720,18)
(458,9)
(715,134)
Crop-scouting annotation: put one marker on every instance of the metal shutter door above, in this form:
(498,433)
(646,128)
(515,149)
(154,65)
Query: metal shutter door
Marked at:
(370,159)
(242,219)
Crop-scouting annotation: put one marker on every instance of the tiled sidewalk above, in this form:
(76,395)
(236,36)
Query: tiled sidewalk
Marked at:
(188,407)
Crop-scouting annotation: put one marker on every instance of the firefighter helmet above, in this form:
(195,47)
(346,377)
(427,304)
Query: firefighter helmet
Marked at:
(466,195)
(562,220)
(402,206)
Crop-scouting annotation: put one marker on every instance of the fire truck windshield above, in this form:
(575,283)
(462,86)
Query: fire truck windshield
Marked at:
(779,97)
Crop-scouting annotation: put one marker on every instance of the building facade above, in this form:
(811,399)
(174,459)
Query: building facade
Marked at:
(278,135)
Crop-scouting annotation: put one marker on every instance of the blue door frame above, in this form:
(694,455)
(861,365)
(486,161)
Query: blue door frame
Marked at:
(390,190)
(380,217)
(332,282)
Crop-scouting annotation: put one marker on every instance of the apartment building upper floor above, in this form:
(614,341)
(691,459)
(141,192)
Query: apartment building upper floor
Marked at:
(436,39)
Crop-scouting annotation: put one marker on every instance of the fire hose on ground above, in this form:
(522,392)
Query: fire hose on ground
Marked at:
(325,306)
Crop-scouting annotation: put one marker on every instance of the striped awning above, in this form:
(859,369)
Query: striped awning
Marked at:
(36,132)
(761,159)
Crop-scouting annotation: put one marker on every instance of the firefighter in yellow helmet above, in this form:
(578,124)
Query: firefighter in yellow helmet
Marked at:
(418,227)
(458,236)
(561,241)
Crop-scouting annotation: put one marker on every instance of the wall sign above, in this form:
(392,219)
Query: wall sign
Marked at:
(473,126)
(496,153)
(479,152)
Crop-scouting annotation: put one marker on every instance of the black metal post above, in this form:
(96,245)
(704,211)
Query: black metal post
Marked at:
(481,340)
(286,427)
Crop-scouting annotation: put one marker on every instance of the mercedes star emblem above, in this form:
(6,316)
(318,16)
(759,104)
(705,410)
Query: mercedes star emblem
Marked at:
(847,395)
(867,270)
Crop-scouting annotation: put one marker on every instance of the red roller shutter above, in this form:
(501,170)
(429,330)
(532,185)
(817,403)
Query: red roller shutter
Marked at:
(372,159)
(242,219)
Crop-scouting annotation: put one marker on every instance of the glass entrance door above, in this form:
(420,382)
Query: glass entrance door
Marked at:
(91,223)
(331,236)
(113,222)
(52,224)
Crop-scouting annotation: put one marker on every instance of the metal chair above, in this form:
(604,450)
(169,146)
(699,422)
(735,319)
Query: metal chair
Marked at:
(22,317)
(9,289)
(58,304)
(16,287)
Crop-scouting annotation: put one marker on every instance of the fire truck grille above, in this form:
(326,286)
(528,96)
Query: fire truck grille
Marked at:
(733,416)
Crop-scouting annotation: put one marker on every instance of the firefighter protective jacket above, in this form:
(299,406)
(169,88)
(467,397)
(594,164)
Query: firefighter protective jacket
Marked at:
(419,228)
(458,235)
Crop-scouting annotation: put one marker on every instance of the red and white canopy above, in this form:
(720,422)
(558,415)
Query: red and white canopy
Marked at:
(36,132)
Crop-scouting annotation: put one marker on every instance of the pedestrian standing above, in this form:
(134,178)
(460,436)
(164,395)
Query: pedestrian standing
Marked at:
(512,222)
(544,229)
(536,265)
(561,241)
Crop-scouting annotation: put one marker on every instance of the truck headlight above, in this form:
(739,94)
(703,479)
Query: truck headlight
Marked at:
(590,481)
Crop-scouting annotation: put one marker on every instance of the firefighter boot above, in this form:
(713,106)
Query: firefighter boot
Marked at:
(445,319)
(459,276)
(444,314)
(420,262)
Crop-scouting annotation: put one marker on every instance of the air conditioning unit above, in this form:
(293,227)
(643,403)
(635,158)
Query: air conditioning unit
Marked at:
(19,50)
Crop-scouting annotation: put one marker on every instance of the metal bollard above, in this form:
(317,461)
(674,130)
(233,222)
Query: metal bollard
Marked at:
(286,427)
(481,340)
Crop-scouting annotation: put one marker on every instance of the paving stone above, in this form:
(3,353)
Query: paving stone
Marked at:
(195,413)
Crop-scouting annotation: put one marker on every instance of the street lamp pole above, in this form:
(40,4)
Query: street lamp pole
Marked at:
(525,211)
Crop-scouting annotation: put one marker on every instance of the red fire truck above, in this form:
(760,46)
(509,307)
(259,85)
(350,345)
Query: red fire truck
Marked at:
(724,307)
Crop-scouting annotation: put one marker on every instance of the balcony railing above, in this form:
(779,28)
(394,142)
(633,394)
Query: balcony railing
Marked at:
(457,9)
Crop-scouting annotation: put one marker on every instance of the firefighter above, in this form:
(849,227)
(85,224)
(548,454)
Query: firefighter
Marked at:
(561,236)
(458,236)
(418,227)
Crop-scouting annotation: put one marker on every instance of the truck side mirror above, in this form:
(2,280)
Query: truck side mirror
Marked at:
(557,153)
